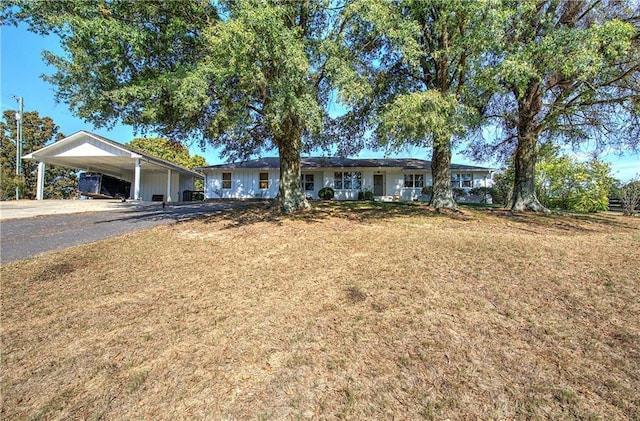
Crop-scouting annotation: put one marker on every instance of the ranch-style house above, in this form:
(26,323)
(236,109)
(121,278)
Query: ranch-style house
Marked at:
(388,179)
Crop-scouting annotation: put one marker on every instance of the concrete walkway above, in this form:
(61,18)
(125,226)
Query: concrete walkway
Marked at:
(12,209)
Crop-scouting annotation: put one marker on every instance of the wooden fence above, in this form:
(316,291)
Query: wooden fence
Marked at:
(615,205)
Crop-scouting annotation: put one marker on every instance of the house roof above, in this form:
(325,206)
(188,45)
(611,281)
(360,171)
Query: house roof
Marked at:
(336,162)
(83,150)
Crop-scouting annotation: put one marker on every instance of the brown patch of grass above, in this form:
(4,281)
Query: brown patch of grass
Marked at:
(348,311)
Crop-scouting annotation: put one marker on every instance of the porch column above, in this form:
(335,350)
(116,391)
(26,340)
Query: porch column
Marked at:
(169,185)
(40,181)
(136,180)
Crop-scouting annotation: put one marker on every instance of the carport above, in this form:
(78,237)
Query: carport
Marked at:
(149,176)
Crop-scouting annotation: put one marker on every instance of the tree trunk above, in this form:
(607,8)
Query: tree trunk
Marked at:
(442,197)
(524,186)
(290,196)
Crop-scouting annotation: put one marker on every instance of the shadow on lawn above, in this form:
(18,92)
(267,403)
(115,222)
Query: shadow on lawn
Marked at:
(170,212)
(567,222)
(358,211)
(365,212)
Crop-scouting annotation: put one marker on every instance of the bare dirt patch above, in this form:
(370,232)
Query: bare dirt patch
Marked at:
(356,311)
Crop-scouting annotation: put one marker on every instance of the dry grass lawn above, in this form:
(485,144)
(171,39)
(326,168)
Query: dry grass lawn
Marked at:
(349,311)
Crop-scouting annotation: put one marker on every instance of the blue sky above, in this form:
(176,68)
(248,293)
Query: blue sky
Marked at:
(21,66)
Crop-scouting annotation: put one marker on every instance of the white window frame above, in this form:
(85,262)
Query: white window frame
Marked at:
(351,178)
(455,180)
(305,182)
(414,181)
(458,180)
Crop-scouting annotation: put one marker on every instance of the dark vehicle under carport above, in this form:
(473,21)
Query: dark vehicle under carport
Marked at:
(101,186)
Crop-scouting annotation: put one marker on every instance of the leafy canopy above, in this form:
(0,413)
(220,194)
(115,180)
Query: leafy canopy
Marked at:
(563,182)
(237,74)
(169,150)
(568,72)
(419,68)
(37,132)
(566,183)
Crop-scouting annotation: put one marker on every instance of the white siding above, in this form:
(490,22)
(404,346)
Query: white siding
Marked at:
(318,183)
(91,147)
(348,194)
(176,193)
(186,183)
(413,193)
(479,178)
(152,184)
(482,180)
(245,184)
(395,184)
(327,178)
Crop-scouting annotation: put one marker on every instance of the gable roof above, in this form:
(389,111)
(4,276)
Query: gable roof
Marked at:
(94,148)
(270,163)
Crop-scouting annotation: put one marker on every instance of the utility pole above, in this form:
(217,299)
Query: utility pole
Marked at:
(19,142)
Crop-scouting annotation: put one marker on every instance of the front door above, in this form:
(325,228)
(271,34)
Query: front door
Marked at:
(378,184)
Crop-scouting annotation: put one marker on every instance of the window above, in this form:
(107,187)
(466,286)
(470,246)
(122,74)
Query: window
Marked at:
(264,180)
(414,180)
(455,180)
(347,180)
(408,180)
(462,180)
(337,181)
(226,180)
(307,182)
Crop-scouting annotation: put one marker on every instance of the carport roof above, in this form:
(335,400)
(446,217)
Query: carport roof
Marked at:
(91,152)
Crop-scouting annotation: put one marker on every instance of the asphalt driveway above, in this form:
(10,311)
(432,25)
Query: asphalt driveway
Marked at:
(27,237)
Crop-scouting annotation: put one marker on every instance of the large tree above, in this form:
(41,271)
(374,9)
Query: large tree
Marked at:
(169,150)
(243,75)
(37,132)
(424,64)
(571,73)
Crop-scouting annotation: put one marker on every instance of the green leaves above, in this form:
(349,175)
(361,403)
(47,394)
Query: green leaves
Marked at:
(37,132)
(261,62)
(419,57)
(168,150)
(249,75)
(565,183)
(554,53)
(127,61)
(420,118)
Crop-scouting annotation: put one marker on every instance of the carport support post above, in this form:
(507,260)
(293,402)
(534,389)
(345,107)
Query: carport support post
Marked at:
(40,181)
(136,180)
(169,186)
